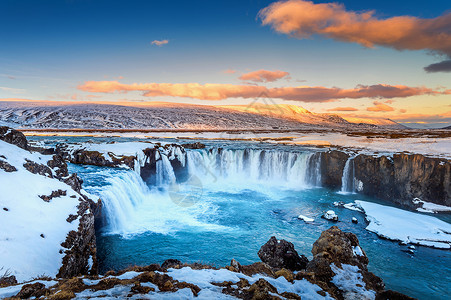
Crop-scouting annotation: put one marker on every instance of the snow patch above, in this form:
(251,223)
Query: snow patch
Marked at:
(408,227)
(350,281)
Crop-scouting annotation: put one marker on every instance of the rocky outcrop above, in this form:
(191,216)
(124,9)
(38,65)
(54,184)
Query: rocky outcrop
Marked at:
(281,254)
(14,137)
(333,253)
(404,177)
(80,257)
(399,178)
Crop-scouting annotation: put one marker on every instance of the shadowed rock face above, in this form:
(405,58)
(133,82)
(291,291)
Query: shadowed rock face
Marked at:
(332,166)
(398,179)
(14,137)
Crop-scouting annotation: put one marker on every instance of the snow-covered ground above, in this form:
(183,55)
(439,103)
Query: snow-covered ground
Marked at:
(434,147)
(203,278)
(408,227)
(32,229)
(429,207)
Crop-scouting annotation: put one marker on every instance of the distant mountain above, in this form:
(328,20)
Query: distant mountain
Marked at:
(294,112)
(41,115)
(447,127)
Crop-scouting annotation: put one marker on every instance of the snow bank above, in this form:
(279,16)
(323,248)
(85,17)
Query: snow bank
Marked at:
(204,278)
(409,227)
(429,207)
(32,230)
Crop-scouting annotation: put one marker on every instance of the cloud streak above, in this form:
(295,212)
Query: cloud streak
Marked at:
(379,107)
(159,43)
(302,19)
(264,76)
(212,91)
(343,109)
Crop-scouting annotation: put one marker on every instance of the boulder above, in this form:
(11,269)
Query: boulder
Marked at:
(14,137)
(281,254)
(330,215)
(337,247)
(171,263)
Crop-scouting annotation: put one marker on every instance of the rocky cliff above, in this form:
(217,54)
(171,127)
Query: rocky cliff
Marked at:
(398,178)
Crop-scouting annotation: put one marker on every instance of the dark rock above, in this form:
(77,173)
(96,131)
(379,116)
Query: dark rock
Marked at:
(36,168)
(332,166)
(139,289)
(281,254)
(81,246)
(261,289)
(54,194)
(5,209)
(405,177)
(171,263)
(75,182)
(32,290)
(7,280)
(4,165)
(195,145)
(337,247)
(258,268)
(58,164)
(14,137)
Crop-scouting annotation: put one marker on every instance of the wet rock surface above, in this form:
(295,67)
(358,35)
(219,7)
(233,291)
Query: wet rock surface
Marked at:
(281,254)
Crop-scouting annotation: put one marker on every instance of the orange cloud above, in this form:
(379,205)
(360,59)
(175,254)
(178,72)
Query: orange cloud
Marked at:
(229,71)
(378,106)
(264,76)
(302,19)
(343,109)
(212,91)
(159,43)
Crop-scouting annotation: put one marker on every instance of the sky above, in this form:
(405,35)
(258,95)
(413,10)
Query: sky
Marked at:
(389,59)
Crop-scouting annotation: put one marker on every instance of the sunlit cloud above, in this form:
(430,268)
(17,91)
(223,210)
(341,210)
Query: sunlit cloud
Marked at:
(302,19)
(213,91)
(378,107)
(229,71)
(343,109)
(159,43)
(264,76)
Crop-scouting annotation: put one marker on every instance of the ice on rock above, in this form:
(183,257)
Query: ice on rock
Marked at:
(330,215)
(305,218)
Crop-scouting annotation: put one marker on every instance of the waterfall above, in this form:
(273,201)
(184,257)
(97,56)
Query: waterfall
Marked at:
(131,207)
(347,179)
(269,167)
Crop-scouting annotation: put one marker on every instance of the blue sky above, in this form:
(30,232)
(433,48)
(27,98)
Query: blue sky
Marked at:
(49,48)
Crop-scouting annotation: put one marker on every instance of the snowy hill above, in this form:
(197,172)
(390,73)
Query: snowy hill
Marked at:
(169,116)
(42,217)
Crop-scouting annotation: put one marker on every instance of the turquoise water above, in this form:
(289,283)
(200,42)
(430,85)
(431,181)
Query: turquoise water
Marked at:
(230,213)
(233,222)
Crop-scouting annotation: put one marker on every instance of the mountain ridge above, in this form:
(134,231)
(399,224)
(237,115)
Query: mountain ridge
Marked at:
(165,115)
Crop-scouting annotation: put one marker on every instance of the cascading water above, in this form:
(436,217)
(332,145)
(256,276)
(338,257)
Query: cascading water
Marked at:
(295,170)
(132,206)
(347,180)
